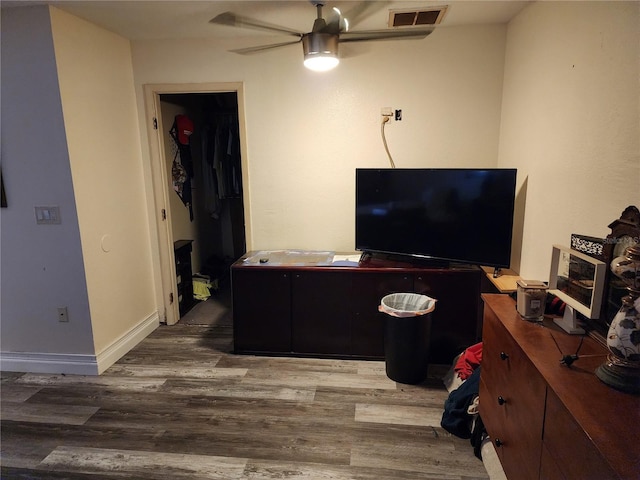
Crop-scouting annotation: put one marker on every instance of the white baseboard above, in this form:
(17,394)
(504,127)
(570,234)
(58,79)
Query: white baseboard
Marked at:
(74,364)
(34,362)
(120,347)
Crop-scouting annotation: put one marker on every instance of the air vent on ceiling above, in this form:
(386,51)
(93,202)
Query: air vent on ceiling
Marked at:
(422,16)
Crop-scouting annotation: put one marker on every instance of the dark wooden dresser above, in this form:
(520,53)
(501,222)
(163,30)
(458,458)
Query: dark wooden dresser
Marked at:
(548,420)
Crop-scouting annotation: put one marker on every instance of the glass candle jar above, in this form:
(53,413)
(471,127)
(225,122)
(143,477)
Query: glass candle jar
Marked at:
(531,299)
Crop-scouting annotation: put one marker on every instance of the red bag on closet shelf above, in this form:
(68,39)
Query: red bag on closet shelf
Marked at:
(184,129)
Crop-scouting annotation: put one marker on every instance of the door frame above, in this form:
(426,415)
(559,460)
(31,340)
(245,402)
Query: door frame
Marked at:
(165,262)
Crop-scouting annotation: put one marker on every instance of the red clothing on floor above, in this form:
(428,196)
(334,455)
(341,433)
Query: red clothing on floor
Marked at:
(469,360)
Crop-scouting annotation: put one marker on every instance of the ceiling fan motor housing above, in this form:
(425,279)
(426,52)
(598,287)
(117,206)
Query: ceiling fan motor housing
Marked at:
(319,44)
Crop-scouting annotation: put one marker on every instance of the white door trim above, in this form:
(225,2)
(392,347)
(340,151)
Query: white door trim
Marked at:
(160,182)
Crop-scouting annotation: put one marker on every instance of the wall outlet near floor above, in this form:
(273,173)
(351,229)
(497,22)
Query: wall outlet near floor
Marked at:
(63,315)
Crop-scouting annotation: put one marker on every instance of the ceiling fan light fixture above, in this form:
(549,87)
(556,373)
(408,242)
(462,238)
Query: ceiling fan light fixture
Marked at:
(320,51)
(321,63)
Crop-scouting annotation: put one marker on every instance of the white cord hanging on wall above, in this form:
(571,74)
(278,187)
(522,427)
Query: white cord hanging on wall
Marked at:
(385,119)
(387,114)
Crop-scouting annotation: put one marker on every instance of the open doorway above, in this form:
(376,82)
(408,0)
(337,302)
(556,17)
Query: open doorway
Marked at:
(205,198)
(201,221)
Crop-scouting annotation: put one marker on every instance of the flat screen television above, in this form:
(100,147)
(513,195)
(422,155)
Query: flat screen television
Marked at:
(461,215)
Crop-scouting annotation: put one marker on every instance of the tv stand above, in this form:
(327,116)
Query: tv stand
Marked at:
(332,311)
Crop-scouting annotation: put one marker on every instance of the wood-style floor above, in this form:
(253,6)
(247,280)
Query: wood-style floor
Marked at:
(182,406)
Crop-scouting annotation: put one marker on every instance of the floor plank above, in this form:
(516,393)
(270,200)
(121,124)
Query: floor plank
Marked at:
(118,383)
(328,379)
(266,470)
(41,413)
(238,389)
(168,371)
(18,393)
(415,449)
(398,415)
(136,463)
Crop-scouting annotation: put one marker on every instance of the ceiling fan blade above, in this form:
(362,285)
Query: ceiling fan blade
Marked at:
(335,24)
(366,35)
(232,20)
(262,48)
(363,10)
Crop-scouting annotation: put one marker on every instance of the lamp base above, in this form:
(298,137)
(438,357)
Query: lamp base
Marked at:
(619,375)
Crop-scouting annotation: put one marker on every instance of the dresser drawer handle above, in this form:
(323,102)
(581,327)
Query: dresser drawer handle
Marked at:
(499,442)
(501,400)
(503,356)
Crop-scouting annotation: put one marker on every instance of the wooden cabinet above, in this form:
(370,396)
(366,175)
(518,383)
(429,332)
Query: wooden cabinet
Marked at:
(333,311)
(367,323)
(457,320)
(562,425)
(184,280)
(547,420)
(262,313)
(320,313)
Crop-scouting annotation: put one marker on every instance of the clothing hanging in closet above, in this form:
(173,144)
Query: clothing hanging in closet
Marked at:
(221,160)
(182,167)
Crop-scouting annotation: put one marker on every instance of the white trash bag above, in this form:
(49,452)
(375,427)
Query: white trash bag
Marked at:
(407,304)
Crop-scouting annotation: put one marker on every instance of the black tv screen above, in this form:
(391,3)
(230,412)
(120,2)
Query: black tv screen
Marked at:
(447,214)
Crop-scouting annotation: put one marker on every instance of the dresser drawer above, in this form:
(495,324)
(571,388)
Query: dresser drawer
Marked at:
(493,417)
(512,401)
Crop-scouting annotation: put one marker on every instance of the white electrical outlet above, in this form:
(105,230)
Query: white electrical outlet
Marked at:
(63,315)
(386,112)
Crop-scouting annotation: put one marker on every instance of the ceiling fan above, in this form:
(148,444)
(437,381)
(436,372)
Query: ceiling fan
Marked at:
(320,45)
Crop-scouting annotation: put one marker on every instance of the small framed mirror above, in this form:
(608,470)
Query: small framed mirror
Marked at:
(578,280)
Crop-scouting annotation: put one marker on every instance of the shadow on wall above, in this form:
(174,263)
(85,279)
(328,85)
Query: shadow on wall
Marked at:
(518,226)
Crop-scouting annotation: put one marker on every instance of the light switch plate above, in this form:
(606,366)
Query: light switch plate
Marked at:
(48,215)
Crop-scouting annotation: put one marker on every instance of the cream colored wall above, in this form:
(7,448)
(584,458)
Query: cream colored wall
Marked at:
(99,107)
(307,132)
(571,120)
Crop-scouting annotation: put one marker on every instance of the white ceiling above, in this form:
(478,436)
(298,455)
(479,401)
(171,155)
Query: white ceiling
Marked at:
(151,19)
